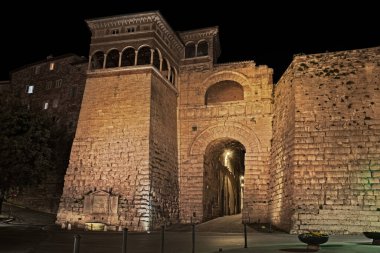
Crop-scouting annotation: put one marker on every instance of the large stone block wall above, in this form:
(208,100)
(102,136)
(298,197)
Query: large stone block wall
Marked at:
(282,156)
(336,141)
(163,151)
(247,121)
(110,152)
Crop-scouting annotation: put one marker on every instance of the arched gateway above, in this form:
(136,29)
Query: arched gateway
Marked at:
(231,178)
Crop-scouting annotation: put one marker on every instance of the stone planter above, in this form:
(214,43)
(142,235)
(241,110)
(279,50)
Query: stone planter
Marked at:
(373,235)
(313,240)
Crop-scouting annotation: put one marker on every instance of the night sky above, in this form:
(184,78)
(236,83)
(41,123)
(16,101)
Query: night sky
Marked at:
(268,33)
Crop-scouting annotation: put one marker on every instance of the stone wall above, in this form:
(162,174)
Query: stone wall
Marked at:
(246,121)
(282,156)
(336,161)
(110,152)
(163,157)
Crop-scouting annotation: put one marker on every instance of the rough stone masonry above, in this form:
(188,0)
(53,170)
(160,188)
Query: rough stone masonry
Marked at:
(168,135)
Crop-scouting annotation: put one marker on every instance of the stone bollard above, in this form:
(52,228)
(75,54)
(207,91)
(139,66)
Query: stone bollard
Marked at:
(68,226)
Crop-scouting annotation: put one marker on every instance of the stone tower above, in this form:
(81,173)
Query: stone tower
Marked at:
(123,168)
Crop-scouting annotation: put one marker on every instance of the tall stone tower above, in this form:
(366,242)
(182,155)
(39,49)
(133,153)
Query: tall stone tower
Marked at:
(123,168)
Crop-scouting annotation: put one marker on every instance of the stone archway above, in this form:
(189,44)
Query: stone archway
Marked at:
(255,172)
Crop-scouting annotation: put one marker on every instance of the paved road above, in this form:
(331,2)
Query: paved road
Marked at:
(38,235)
(33,239)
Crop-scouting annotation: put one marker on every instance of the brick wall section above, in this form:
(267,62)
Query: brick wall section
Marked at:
(336,141)
(163,161)
(248,121)
(111,149)
(282,152)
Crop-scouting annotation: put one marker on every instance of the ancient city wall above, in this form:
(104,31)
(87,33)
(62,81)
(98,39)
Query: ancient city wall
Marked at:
(282,156)
(246,121)
(336,141)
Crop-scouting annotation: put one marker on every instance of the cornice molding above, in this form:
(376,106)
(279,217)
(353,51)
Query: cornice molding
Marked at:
(142,18)
(199,34)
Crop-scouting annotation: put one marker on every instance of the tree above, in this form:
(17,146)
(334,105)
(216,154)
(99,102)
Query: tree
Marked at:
(25,148)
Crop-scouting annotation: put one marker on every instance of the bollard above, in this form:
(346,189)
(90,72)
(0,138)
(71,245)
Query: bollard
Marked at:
(245,235)
(76,243)
(125,236)
(193,235)
(162,238)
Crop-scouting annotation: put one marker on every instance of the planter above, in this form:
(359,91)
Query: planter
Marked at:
(373,235)
(313,240)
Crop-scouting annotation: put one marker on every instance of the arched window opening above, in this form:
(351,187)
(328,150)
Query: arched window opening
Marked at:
(202,48)
(190,50)
(97,60)
(112,59)
(165,68)
(172,76)
(224,91)
(128,57)
(156,60)
(143,56)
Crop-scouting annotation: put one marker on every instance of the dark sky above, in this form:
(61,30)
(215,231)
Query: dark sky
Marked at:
(268,33)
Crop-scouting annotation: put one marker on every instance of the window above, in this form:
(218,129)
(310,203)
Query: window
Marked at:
(128,57)
(115,31)
(58,83)
(29,89)
(143,56)
(45,105)
(97,60)
(48,85)
(37,70)
(131,29)
(112,60)
(202,49)
(55,103)
(52,66)
(190,50)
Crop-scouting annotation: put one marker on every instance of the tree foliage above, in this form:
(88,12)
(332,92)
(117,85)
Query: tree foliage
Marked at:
(25,148)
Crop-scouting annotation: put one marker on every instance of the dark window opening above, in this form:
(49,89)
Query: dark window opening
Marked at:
(112,59)
(143,56)
(172,76)
(165,69)
(156,60)
(190,50)
(97,60)
(202,48)
(128,57)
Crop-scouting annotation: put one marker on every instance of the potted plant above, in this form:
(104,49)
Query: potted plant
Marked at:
(373,235)
(313,239)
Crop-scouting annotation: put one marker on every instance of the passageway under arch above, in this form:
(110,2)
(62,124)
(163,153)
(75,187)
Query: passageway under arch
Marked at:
(223,178)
